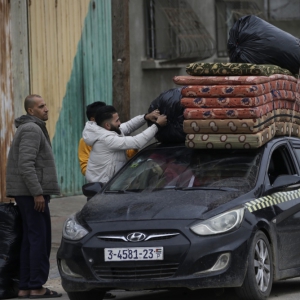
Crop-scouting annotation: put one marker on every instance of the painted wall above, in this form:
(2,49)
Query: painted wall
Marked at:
(6,92)
(20,56)
(70,67)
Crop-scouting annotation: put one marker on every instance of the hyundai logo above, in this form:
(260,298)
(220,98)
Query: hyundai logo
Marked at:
(136,237)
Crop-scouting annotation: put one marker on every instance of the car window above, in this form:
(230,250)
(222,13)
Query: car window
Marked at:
(280,163)
(182,167)
(297,152)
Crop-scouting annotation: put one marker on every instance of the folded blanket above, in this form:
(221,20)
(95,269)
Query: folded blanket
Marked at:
(228,113)
(233,69)
(287,128)
(292,105)
(226,90)
(287,85)
(252,125)
(239,112)
(231,140)
(214,80)
(295,116)
(241,140)
(206,102)
(285,115)
(237,90)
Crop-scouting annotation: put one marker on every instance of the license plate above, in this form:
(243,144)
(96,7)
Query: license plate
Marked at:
(138,253)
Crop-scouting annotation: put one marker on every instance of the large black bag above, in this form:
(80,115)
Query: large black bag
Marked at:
(10,242)
(253,40)
(168,104)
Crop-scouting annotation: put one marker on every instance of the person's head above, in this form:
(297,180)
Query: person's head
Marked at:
(91,109)
(108,118)
(35,106)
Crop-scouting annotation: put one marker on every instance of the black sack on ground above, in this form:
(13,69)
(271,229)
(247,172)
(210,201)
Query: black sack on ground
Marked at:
(10,243)
(168,104)
(253,40)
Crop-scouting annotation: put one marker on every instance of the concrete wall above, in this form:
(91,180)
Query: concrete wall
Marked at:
(147,84)
(292,27)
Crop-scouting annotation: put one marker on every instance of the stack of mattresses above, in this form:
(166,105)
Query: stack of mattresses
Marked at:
(238,105)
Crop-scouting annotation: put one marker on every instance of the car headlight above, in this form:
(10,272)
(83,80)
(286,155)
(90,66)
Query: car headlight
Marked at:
(73,230)
(220,223)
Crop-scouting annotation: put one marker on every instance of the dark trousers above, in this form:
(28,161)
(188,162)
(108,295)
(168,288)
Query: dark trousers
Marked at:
(36,244)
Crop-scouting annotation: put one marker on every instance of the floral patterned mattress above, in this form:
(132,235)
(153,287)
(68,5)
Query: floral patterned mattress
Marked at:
(238,105)
(242,141)
(233,69)
(229,80)
(224,90)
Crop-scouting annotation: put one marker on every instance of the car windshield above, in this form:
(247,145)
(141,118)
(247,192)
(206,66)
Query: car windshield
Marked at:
(188,169)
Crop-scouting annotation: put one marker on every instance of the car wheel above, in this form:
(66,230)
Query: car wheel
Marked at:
(259,277)
(87,295)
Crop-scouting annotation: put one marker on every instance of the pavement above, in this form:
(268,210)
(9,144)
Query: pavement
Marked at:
(60,209)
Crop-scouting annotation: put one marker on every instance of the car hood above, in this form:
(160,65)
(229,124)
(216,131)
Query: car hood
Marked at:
(169,204)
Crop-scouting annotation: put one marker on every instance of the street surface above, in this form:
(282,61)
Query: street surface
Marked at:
(283,290)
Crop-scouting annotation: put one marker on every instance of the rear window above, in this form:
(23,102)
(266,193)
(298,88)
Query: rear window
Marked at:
(182,167)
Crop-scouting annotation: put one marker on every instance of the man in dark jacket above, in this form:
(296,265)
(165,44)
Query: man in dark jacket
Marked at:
(31,179)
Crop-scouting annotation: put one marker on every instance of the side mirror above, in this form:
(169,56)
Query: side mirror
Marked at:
(286,180)
(282,182)
(91,189)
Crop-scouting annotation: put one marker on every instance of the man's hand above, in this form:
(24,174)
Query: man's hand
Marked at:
(39,203)
(152,116)
(162,120)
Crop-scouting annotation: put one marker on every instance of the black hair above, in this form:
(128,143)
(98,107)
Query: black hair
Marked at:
(91,109)
(104,113)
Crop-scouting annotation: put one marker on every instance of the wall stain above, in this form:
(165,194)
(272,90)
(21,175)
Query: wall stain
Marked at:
(6,94)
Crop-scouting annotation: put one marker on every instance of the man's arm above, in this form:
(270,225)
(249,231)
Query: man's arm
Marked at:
(116,142)
(133,124)
(28,150)
(138,121)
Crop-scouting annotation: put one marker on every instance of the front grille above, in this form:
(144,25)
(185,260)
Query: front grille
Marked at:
(151,236)
(136,272)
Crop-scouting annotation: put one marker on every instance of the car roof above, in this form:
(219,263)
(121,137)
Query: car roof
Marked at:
(293,140)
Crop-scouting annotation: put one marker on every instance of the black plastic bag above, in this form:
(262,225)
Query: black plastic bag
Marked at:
(253,40)
(169,104)
(10,242)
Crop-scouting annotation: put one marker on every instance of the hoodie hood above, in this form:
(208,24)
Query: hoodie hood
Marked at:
(92,132)
(27,119)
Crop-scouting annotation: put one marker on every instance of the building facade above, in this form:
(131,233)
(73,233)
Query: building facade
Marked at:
(122,52)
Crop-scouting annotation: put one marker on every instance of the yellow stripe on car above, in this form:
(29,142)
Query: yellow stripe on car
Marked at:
(270,200)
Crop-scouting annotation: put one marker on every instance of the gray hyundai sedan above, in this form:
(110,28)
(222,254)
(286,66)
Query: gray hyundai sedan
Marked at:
(175,217)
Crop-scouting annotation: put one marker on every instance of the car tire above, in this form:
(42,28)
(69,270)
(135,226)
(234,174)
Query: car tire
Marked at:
(87,295)
(258,281)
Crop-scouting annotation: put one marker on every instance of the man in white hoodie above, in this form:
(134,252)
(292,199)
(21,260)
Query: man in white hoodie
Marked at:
(110,139)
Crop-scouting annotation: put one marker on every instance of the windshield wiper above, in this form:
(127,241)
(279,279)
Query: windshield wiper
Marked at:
(193,188)
(115,191)
(121,191)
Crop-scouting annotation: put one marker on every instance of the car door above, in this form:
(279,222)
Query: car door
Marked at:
(286,203)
